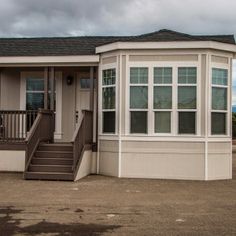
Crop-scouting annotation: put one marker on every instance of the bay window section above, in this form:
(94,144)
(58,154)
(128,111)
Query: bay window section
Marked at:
(138,99)
(219,91)
(162,99)
(187,100)
(108,100)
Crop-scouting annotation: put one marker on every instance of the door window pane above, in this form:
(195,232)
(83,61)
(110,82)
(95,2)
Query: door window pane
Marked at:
(139,97)
(108,98)
(218,123)
(187,97)
(163,75)
(162,97)
(219,76)
(187,122)
(85,83)
(34,84)
(34,101)
(138,122)
(139,75)
(219,98)
(109,122)
(162,122)
(109,77)
(187,75)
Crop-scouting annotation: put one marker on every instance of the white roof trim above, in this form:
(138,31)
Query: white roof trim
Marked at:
(49,59)
(167,45)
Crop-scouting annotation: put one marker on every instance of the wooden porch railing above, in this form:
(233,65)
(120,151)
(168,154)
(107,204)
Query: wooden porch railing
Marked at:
(42,130)
(14,125)
(83,137)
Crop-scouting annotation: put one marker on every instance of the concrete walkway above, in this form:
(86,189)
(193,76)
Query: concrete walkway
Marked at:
(100,205)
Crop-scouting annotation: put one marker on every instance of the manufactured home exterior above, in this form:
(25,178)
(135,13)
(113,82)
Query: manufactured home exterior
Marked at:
(156,105)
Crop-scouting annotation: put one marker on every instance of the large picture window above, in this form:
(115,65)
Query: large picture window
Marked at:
(108,100)
(219,101)
(162,99)
(138,99)
(187,100)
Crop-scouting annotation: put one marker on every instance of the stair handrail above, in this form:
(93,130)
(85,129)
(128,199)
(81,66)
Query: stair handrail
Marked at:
(42,130)
(82,136)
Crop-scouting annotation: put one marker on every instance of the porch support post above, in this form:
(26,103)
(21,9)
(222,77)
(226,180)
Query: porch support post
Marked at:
(52,86)
(91,88)
(46,88)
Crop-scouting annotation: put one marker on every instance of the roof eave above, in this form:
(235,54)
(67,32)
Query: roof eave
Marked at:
(49,59)
(167,45)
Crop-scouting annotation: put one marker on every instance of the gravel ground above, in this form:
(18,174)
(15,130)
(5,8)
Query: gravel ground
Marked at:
(99,205)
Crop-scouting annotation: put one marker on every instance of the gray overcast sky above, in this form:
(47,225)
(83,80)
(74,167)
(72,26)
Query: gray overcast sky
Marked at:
(115,17)
(20,18)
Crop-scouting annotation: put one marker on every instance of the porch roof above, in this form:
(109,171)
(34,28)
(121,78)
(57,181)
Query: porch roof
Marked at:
(86,45)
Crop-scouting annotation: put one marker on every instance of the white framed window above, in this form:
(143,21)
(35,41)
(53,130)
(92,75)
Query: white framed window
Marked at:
(109,101)
(138,103)
(187,100)
(162,99)
(219,101)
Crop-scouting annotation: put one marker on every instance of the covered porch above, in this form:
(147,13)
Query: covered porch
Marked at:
(65,90)
(49,112)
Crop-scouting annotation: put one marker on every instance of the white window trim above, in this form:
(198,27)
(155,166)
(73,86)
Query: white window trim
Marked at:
(229,92)
(100,98)
(174,115)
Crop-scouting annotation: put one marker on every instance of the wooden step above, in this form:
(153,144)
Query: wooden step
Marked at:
(49,176)
(51,168)
(53,154)
(55,147)
(52,161)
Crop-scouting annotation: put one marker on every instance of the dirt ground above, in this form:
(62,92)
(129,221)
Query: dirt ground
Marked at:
(99,205)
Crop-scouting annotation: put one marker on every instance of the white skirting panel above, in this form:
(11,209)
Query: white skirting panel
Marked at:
(13,161)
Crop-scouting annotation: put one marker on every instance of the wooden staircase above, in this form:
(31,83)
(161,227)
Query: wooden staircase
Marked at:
(51,162)
(46,160)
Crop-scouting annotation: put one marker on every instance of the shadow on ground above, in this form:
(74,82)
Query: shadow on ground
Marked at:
(10,226)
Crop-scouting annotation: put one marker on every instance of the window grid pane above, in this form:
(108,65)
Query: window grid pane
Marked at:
(162,96)
(163,75)
(108,98)
(139,75)
(218,123)
(186,97)
(138,122)
(219,98)
(139,97)
(109,122)
(219,76)
(187,122)
(109,77)
(187,75)
(162,122)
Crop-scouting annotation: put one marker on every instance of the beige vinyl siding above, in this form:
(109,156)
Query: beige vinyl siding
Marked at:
(68,108)
(109,158)
(123,97)
(220,59)
(203,93)
(137,58)
(219,160)
(109,60)
(171,160)
(10,89)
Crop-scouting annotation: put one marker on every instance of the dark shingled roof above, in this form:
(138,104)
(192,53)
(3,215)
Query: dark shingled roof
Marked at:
(85,45)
